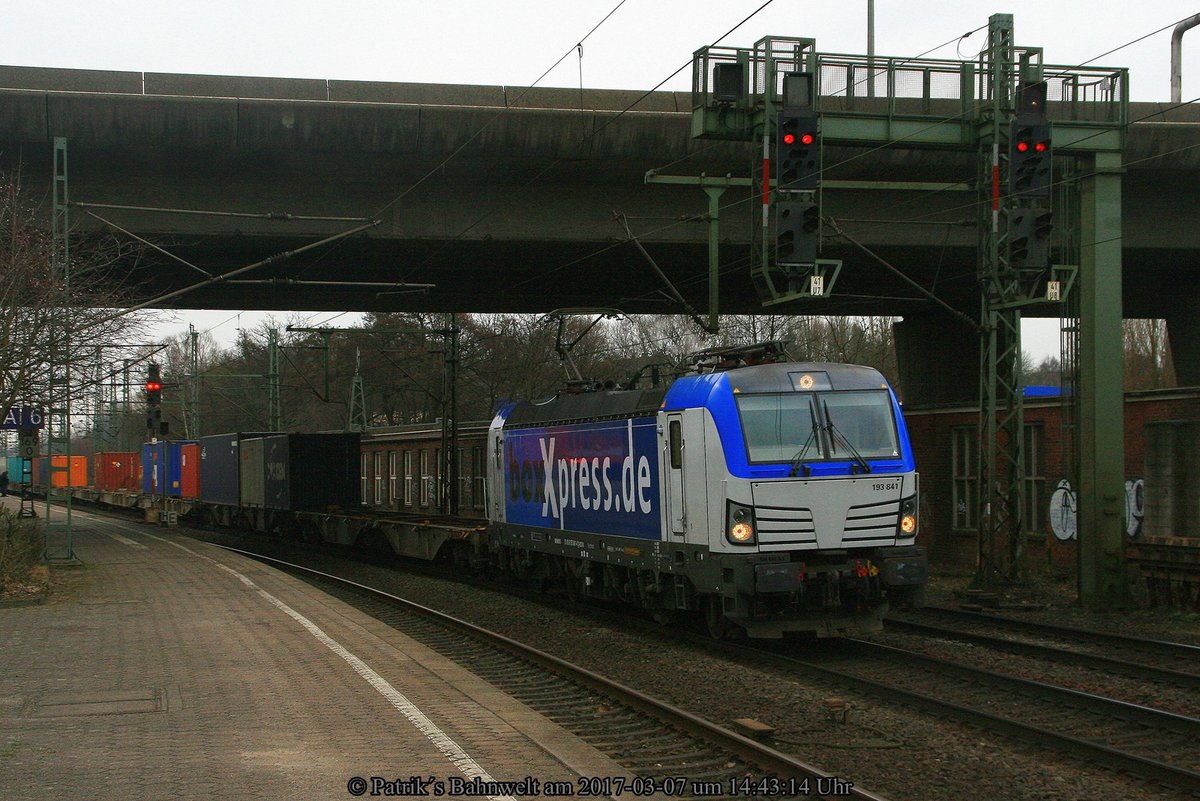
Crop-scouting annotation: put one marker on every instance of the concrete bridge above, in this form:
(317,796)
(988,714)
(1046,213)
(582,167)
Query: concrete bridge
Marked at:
(502,199)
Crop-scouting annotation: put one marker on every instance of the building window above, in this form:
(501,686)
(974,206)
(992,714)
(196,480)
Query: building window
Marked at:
(408,479)
(426,479)
(364,490)
(1035,478)
(378,477)
(392,478)
(463,478)
(437,486)
(964,450)
(478,477)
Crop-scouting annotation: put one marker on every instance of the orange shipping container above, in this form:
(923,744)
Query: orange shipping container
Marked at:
(76,474)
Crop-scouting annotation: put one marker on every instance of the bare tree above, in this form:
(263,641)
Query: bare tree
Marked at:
(1047,372)
(34,300)
(1147,355)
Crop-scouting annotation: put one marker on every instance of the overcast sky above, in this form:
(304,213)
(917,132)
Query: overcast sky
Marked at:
(497,43)
(493,43)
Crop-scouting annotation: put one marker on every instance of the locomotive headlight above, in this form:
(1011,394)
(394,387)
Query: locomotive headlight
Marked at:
(908,515)
(741,532)
(739,524)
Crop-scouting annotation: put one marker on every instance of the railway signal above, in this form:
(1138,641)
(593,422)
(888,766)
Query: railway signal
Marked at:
(1029,239)
(797,231)
(153,386)
(797,151)
(797,177)
(1029,159)
(154,401)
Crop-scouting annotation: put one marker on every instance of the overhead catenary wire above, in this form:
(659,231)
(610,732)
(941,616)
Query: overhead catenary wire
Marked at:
(738,202)
(735,204)
(921,197)
(586,139)
(1084,176)
(490,121)
(256,215)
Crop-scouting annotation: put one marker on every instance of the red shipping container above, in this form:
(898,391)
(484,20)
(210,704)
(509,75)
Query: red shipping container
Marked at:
(189,481)
(117,470)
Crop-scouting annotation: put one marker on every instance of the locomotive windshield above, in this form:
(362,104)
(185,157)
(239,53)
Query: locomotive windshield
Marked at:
(800,426)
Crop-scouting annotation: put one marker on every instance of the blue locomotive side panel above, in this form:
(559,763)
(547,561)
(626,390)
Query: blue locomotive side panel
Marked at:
(599,477)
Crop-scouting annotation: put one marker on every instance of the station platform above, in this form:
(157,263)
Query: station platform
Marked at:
(163,667)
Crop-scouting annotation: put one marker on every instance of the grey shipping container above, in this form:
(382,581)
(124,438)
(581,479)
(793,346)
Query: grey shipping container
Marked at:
(250,471)
(220,467)
(311,471)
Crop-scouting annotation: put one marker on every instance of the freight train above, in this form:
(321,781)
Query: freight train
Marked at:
(755,497)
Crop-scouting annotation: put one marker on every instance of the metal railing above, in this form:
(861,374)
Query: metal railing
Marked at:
(901,86)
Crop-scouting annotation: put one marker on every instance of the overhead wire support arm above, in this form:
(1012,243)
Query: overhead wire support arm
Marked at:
(711,325)
(344,284)
(714,188)
(257,215)
(145,241)
(278,257)
(974,324)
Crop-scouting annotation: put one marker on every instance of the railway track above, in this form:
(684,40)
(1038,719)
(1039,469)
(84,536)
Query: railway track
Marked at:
(1153,745)
(674,752)
(1169,663)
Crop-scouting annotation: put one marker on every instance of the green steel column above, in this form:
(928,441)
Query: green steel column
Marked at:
(59,550)
(193,403)
(274,410)
(358,406)
(1101,370)
(714,255)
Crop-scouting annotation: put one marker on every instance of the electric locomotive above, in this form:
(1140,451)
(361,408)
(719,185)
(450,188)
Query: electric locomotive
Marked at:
(769,497)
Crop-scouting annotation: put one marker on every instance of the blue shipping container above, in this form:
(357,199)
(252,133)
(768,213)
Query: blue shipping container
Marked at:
(162,468)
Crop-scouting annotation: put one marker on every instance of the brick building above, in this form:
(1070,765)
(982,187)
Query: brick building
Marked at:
(945,442)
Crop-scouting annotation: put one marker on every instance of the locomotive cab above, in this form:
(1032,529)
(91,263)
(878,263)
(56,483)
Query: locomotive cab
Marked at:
(807,503)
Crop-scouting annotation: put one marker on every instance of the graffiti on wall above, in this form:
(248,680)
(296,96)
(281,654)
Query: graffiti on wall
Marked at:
(1135,506)
(1064,521)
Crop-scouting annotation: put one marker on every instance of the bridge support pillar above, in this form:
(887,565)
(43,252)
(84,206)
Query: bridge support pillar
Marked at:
(1183,332)
(938,358)
(1101,397)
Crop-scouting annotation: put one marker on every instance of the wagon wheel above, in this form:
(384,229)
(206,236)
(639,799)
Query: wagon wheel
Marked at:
(714,618)
(571,587)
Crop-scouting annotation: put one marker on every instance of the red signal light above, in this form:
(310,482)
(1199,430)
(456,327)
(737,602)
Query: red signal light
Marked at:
(806,139)
(1040,147)
(789,139)
(153,386)
(1022,146)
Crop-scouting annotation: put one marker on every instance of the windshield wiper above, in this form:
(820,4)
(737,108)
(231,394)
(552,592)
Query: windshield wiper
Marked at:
(812,434)
(836,435)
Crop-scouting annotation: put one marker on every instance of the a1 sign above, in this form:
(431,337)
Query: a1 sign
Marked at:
(22,418)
